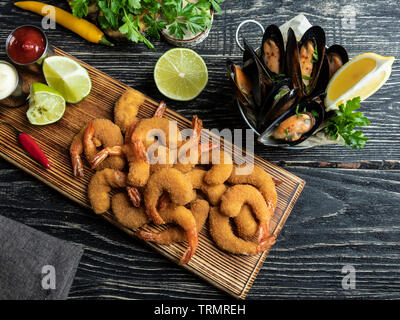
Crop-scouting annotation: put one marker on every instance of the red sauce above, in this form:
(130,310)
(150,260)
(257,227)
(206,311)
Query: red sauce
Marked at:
(27,44)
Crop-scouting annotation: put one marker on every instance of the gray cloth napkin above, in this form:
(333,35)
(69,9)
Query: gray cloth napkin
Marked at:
(34,265)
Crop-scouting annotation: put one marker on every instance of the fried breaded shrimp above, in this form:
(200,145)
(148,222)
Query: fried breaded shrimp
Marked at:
(157,128)
(246,224)
(213,193)
(238,195)
(76,150)
(221,169)
(101,184)
(184,218)
(141,135)
(127,215)
(259,179)
(104,133)
(115,150)
(199,209)
(201,149)
(152,129)
(224,237)
(127,107)
(174,183)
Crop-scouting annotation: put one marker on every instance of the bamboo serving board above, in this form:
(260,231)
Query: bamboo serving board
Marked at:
(233,274)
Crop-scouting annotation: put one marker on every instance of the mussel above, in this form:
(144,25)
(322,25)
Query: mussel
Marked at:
(296,125)
(280,99)
(272,53)
(304,59)
(253,66)
(242,88)
(336,56)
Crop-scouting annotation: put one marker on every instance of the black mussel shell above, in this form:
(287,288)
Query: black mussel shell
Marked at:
(311,109)
(293,60)
(337,56)
(323,78)
(273,34)
(243,89)
(279,101)
(244,97)
(254,68)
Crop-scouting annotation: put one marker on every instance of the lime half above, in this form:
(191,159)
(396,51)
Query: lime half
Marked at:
(46,105)
(181,74)
(68,77)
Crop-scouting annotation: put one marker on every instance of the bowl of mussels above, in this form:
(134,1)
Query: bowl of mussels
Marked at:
(280,87)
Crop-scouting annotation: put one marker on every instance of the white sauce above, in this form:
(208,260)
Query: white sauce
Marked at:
(8,80)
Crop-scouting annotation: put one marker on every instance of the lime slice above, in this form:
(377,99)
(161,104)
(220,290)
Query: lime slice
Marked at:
(361,77)
(46,105)
(180,74)
(68,77)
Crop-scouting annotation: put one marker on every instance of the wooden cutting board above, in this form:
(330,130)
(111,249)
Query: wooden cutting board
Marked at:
(233,274)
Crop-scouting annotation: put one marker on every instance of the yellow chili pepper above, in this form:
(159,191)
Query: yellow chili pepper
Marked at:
(81,27)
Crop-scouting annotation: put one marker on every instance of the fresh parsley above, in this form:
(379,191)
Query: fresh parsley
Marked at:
(344,123)
(297,112)
(314,58)
(280,94)
(139,18)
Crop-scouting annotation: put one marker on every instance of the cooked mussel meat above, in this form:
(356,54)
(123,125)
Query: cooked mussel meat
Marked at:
(272,53)
(295,125)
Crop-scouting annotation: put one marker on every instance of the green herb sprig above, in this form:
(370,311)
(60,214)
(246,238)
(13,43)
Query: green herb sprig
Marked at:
(344,123)
(314,58)
(127,16)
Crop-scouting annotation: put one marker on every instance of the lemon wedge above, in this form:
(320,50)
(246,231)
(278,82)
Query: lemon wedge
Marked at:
(361,77)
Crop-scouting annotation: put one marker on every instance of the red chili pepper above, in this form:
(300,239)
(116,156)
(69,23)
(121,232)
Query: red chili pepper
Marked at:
(30,146)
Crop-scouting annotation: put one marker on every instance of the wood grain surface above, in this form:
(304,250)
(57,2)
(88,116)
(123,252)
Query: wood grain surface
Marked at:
(348,212)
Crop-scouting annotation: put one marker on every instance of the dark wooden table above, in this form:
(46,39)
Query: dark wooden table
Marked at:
(348,213)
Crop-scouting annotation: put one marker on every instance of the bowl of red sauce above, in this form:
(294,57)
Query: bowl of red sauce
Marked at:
(27,45)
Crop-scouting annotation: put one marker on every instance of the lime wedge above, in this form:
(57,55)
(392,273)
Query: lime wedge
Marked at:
(46,105)
(68,77)
(180,74)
